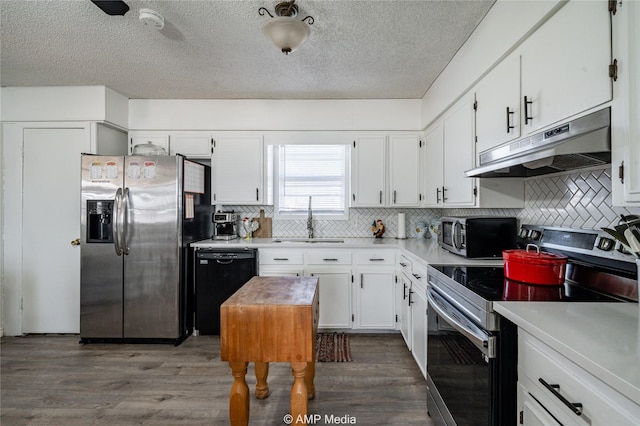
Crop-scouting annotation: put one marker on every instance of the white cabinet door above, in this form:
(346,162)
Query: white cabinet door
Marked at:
(404,171)
(368,172)
(433,170)
(405,310)
(191,145)
(459,154)
(160,139)
(532,413)
(335,298)
(565,64)
(237,170)
(498,105)
(375,298)
(419,330)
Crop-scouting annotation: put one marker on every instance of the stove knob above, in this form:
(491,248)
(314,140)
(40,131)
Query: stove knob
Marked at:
(622,250)
(524,233)
(606,244)
(535,235)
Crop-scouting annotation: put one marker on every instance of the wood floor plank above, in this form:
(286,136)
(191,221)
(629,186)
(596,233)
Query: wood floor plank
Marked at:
(55,380)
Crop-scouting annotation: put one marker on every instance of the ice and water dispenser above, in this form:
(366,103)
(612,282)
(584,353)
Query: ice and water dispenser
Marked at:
(99,221)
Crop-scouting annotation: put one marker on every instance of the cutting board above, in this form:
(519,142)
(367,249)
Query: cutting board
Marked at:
(264,231)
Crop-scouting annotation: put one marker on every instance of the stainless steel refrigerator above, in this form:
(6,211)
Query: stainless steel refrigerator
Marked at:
(139,214)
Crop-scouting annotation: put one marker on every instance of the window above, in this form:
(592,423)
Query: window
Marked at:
(316,171)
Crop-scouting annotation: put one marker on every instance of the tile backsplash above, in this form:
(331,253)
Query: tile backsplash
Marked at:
(575,200)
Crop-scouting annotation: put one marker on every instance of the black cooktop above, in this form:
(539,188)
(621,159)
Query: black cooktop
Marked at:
(489,283)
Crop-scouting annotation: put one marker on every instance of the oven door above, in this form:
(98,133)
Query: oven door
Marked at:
(461,367)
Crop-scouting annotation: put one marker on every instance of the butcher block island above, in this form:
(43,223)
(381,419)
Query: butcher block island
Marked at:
(270,319)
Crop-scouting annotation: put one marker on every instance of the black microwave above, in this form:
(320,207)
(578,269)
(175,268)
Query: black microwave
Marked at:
(478,237)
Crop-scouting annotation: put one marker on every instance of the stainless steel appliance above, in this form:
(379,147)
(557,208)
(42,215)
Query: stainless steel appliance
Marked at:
(225,226)
(139,215)
(471,350)
(583,142)
(219,273)
(478,237)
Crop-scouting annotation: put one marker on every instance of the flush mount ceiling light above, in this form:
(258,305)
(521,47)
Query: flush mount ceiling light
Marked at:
(284,30)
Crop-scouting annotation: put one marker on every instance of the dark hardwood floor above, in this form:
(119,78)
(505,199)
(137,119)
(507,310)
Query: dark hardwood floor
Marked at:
(54,380)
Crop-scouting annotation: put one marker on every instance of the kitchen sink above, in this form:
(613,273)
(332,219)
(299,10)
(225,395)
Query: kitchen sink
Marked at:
(305,240)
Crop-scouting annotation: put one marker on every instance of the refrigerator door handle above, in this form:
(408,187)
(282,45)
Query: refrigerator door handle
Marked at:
(125,221)
(116,222)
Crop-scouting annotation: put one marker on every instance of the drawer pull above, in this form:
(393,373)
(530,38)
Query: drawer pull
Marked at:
(418,277)
(330,259)
(404,265)
(376,260)
(281,258)
(576,407)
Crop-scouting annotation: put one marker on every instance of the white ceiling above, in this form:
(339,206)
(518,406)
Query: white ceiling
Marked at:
(215,49)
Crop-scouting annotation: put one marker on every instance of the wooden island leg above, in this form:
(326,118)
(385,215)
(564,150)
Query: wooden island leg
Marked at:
(262,387)
(298,407)
(308,379)
(239,397)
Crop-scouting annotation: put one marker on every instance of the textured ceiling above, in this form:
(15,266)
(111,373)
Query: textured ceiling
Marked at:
(216,50)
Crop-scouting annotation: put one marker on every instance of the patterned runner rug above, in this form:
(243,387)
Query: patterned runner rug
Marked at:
(333,347)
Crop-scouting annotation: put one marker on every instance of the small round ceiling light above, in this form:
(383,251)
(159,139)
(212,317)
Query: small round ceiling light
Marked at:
(151,18)
(285,31)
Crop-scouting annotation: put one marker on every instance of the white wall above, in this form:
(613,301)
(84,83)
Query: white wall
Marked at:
(257,114)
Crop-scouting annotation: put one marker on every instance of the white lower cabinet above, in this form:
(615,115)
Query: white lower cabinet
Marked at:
(552,390)
(374,290)
(335,297)
(405,309)
(419,329)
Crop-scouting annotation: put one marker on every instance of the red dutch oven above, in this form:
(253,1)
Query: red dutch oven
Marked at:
(534,267)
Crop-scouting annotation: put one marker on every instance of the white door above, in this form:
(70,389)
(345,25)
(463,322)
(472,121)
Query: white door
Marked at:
(434,165)
(368,172)
(334,289)
(404,171)
(50,222)
(375,300)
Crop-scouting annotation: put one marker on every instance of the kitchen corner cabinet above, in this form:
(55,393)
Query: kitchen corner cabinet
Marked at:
(565,64)
(404,170)
(497,107)
(449,152)
(374,290)
(368,172)
(237,167)
(194,145)
(540,404)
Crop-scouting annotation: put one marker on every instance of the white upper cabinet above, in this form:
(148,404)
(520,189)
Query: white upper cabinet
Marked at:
(498,105)
(237,170)
(191,144)
(449,152)
(625,130)
(459,154)
(404,171)
(565,65)
(368,172)
(433,170)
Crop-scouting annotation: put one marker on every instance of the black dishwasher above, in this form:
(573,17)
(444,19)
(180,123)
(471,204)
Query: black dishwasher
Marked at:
(218,274)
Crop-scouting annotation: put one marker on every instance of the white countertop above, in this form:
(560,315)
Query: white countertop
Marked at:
(426,250)
(602,338)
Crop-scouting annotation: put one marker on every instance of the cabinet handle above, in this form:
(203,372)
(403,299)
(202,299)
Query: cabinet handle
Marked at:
(404,292)
(376,260)
(443,197)
(621,172)
(281,258)
(380,197)
(418,277)
(437,195)
(353,196)
(394,197)
(576,407)
(361,281)
(404,265)
(526,110)
(257,194)
(330,260)
(509,126)
(410,293)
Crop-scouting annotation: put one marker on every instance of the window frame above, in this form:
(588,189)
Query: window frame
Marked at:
(276,183)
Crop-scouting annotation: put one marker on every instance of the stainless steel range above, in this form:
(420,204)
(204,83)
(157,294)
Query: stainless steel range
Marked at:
(472,351)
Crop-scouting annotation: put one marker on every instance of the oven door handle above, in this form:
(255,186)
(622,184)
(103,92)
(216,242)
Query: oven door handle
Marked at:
(476,335)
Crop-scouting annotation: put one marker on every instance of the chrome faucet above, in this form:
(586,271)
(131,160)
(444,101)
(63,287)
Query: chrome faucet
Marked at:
(310,220)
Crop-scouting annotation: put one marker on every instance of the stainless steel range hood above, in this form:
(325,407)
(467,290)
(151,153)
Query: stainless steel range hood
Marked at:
(583,142)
